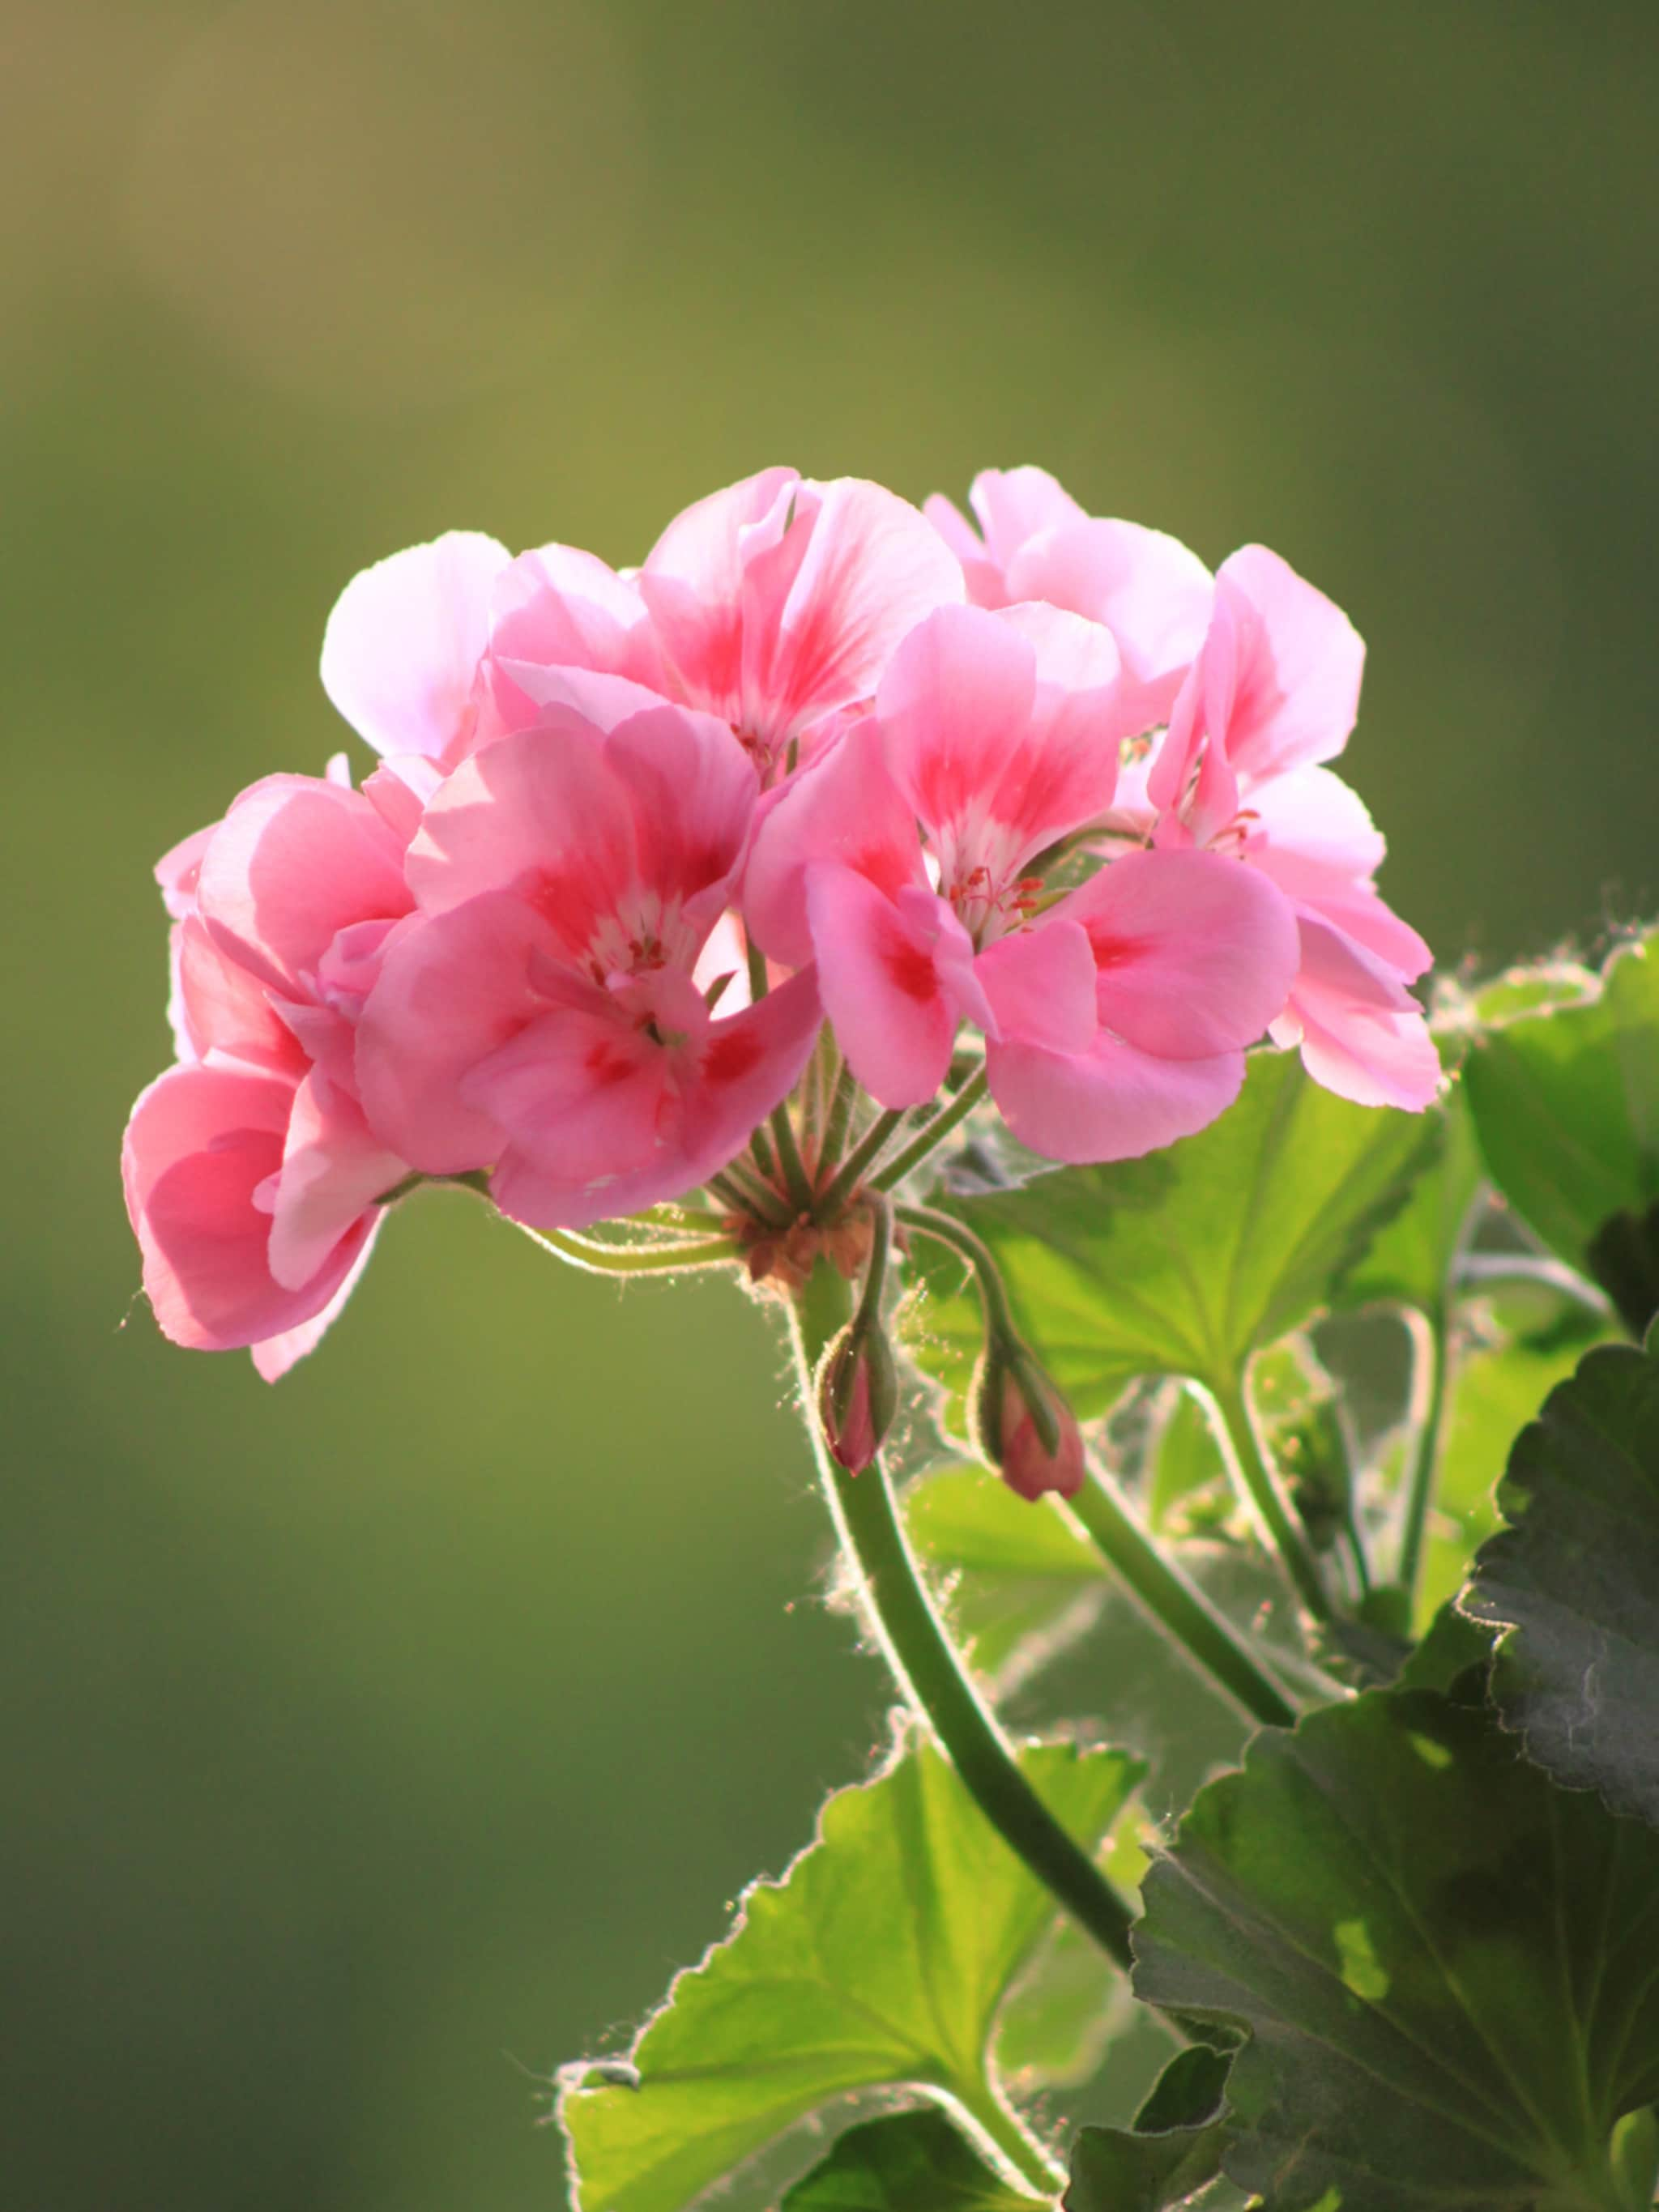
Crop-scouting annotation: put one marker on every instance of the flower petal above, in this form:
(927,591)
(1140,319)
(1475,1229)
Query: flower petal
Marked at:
(1362,1034)
(844,808)
(404,643)
(1194,953)
(1042,986)
(333,1170)
(880,980)
(1146,588)
(1111,1102)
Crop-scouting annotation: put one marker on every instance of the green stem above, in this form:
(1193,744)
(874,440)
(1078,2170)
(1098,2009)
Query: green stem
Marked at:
(1174,1602)
(904,1164)
(922,1660)
(867,1148)
(1431,1355)
(1029,2159)
(640,1260)
(797,1182)
(1259,1486)
(840,1118)
(955,1237)
(749,1194)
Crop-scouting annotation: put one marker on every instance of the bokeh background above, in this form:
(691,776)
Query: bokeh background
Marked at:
(375,1743)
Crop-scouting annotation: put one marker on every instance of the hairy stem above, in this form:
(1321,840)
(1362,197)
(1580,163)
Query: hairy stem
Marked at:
(1175,1603)
(905,1162)
(595,1259)
(840,1118)
(1431,1373)
(920,1655)
(1259,1486)
(868,1148)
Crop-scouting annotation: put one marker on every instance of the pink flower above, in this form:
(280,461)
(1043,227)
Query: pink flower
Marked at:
(1272,695)
(1148,590)
(1116,1016)
(774,605)
(542,1014)
(251,1175)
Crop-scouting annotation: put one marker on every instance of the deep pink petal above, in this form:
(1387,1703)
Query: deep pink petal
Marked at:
(871,568)
(404,641)
(274,1355)
(693,790)
(845,808)
(1112,1102)
(981,574)
(1194,953)
(333,1170)
(202,1141)
(452,991)
(745,1065)
(178,870)
(954,708)
(219,1007)
(562,608)
(879,979)
(541,813)
(296,861)
(1042,986)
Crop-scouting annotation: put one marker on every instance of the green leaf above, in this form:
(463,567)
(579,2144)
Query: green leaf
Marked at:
(1412,1255)
(1173,2149)
(911,2163)
(881,1958)
(1574,1583)
(1566,1106)
(1449,1968)
(1019,1580)
(1187,1261)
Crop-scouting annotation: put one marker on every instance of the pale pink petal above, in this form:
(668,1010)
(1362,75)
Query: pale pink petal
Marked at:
(178,870)
(274,1355)
(202,1141)
(878,976)
(562,608)
(294,861)
(1289,691)
(333,1170)
(1367,922)
(404,641)
(872,566)
(1014,504)
(845,808)
(541,813)
(1362,1034)
(1065,771)
(692,583)
(1194,953)
(1041,984)
(1150,592)
(1112,1102)
(399,789)
(540,694)
(1308,827)
(452,991)
(981,573)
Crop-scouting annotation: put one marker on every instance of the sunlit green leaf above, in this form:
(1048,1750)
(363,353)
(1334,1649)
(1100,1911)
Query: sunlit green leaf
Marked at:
(911,2163)
(1173,2149)
(1187,1261)
(881,1958)
(1449,1967)
(1566,1107)
(1574,1583)
(1411,1255)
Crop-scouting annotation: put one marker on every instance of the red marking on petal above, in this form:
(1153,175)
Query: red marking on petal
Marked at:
(730,1057)
(912,970)
(606,1064)
(1109,952)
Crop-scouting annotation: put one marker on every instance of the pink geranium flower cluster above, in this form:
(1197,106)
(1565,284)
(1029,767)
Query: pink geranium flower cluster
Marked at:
(1052,793)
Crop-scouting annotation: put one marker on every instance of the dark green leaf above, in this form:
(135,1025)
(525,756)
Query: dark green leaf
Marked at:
(912,2162)
(1449,1968)
(1566,1107)
(1574,1584)
(1174,2148)
(881,1958)
(1187,1261)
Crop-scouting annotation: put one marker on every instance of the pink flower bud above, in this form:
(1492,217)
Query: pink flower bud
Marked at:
(858,1395)
(1024,1426)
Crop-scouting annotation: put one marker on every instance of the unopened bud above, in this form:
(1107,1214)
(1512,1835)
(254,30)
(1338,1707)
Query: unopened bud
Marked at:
(1024,1426)
(858,1394)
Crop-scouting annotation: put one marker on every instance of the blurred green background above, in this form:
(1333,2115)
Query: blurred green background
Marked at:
(374,1743)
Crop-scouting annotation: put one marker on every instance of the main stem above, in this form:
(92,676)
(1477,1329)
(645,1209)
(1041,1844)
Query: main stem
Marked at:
(920,1655)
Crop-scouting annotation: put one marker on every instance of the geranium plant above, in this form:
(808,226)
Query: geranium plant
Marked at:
(955,932)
